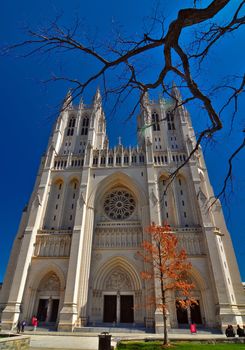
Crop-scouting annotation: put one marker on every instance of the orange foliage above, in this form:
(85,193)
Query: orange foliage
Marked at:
(170,265)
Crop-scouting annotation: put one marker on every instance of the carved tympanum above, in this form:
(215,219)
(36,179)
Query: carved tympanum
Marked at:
(118,281)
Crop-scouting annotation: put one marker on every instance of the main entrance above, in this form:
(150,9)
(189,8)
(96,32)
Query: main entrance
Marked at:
(118,308)
(48,310)
(188,315)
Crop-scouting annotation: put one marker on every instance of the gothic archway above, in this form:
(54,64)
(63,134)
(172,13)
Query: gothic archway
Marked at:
(117,290)
(47,301)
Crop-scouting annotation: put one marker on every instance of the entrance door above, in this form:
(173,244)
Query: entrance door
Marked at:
(42,310)
(54,310)
(110,308)
(126,308)
(196,313)
(182,315)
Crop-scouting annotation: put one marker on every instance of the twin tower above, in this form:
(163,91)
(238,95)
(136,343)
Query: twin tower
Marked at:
(74,261)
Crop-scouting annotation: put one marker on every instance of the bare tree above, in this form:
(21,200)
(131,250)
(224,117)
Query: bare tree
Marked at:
(124,57)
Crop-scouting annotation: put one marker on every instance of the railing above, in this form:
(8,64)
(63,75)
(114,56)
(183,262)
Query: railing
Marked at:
(52,245)
(64,162)
(191,239)
(118,237)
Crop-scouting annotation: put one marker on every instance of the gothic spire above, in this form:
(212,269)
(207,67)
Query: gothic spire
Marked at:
(67,100)
(175,92)
(97,97)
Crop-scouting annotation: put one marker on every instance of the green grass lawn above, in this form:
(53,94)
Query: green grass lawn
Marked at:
(136,345)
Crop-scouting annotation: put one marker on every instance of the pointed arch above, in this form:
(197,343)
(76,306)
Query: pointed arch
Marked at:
(43,271)
(53,208)
(185,209)
(167,200)
(117,179)
(116,264)
(68,217)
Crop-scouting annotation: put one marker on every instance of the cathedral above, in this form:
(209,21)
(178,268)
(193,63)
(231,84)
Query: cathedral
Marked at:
(75,262)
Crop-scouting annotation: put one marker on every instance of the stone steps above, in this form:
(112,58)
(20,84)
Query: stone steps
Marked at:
(112,328)
(141,330)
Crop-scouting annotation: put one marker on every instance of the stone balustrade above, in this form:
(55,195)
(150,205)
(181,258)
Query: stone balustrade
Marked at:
(118,237)
(50,245)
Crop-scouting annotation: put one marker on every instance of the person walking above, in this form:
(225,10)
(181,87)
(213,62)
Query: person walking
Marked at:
(34,322)
(23,324)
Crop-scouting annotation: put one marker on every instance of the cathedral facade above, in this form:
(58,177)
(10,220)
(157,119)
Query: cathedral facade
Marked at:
(75,258)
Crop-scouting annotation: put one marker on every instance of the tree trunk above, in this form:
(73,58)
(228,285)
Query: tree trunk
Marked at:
(165,339)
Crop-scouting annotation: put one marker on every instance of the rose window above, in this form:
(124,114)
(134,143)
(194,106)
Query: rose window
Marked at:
(119,205)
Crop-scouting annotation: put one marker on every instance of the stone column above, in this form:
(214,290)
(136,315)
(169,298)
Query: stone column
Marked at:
(49,309)
(11,312)
(78,272)
(226,311)
(86,259)
(118,307)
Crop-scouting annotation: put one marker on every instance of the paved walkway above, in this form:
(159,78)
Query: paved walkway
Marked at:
(63,342)
(90,341)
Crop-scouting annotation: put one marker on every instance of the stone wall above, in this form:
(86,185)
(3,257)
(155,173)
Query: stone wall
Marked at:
(18,342)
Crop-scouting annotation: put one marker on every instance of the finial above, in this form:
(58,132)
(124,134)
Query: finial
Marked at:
(97,96)
(175,92)
(67,100)
(81,103)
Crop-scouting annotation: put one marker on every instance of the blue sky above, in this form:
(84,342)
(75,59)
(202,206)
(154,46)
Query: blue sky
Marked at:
(29,107)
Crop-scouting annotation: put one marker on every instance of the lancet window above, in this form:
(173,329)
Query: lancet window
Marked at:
(155,121)
(85,125)
(170,120)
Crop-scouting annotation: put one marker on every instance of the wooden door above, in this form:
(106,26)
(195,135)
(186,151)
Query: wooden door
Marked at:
(110,308)
(127,309)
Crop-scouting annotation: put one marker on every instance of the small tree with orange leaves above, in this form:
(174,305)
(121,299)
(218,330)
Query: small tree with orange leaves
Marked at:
(170,268)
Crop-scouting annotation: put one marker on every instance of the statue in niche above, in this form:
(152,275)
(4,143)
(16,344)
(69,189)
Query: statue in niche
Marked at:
(82,200)
(118,281)
(204,204)
(37,200)
(153,198)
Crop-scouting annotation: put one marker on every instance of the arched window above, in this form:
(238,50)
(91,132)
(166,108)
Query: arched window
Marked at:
(186,216)
(51,219)
(110,160)
(118,159)
(126,158)
(101,125)
(102,160)
(167,204)
(70,204)
(85,124)
(155,121)
(170,120)
(71,126)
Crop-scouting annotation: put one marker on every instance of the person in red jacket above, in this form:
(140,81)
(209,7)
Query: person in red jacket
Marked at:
(34,322)
(193,328)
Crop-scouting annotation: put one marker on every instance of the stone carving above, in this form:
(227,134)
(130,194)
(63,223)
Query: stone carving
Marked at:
(52,245)
(82,200)
(51,284)
(153,198)
(98,256)
(38,201)
(118,281)
(118,237)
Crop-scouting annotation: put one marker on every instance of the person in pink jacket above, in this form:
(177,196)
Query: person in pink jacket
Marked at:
(34,322)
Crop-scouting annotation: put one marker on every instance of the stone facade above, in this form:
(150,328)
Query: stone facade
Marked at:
(75,258)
